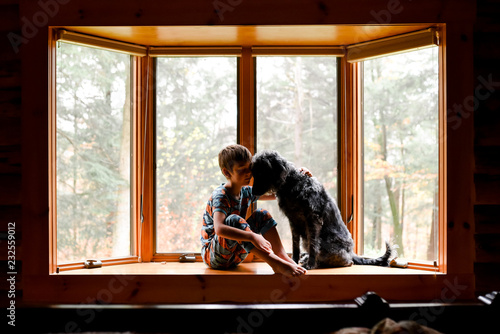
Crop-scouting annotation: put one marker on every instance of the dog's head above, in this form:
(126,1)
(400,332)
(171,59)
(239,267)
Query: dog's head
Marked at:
(269,170)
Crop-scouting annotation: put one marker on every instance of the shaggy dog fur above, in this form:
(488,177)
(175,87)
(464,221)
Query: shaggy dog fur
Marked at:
(312,212)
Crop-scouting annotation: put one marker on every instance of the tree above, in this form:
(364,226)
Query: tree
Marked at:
(401,148)
(196,117)
(297,116)
(93,153)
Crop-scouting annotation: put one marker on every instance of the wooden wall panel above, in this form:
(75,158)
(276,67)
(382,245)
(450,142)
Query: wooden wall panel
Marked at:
(486,218)
(10,146)
(487,146)
(486,117)
(459,151)
(487,276)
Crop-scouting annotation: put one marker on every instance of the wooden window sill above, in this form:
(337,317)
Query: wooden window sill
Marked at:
(175,282)
(252,268)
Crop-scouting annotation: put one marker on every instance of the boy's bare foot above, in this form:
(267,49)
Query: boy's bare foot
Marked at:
(273,237)
(280,265)
(287,268)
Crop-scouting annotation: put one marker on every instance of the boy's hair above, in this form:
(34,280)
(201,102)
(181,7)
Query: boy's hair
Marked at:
(232,154)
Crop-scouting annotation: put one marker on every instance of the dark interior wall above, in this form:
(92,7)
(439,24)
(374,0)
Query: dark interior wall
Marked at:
(10,144)
(486,118)
(485,103)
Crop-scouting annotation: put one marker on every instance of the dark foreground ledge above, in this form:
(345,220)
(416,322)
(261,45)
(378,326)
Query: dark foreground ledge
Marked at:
(256,318)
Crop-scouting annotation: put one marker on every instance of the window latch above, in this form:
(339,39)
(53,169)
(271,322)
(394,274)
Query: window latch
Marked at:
(398,263)
(187,258)
(89,264)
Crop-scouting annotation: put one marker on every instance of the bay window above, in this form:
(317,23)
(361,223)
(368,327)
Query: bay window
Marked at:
(138,129)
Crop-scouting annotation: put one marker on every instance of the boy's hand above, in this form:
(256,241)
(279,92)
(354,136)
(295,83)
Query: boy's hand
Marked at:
(261,243)
(305,171)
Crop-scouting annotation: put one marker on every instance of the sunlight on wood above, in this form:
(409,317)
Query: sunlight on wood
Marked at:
(254,268)
(248,35)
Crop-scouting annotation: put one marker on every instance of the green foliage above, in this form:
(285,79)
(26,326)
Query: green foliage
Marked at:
(195,118)
(196,115)
(401,152)
(297,116)
(91,111)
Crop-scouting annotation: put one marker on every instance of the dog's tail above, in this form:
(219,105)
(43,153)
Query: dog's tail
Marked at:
(380,261)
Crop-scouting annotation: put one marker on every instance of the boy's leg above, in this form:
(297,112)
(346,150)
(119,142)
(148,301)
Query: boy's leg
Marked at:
(273,237)
(279,265)
(262,222)
(222,253)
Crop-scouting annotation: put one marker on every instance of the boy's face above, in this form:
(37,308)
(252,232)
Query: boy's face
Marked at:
(241,173)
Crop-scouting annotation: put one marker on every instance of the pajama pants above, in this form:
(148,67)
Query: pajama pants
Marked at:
(222,253)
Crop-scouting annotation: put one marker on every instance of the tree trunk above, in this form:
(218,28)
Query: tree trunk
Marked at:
(299,97)
(432,246)
(121,228)
(402,210)
(392,194)
(76,223)
(393,202)
(378,222)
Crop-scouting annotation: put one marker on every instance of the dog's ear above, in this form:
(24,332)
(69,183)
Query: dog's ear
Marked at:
(280,165)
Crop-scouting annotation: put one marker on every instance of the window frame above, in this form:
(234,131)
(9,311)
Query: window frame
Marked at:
(357,95)
(78,39)
(179,52)
(186,287)
(246,100)
(349,154)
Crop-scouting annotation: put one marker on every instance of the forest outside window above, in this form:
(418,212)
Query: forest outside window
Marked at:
(93,141)
(196,115)
(400,125)
(297,115)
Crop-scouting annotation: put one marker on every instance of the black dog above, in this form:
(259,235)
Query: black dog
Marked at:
(312,212)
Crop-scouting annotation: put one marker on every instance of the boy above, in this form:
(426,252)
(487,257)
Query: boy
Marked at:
(226,236)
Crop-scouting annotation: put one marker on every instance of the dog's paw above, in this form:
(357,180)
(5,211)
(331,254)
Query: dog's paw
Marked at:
(304,258)
(305,263)
(309,266)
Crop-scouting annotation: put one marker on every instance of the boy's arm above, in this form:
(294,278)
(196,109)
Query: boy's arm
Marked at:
(234,233)
(267,197)
(305,171)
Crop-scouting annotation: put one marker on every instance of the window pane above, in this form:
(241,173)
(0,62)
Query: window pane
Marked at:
(93,153)
(297,116)
(401,151)
(196,116)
